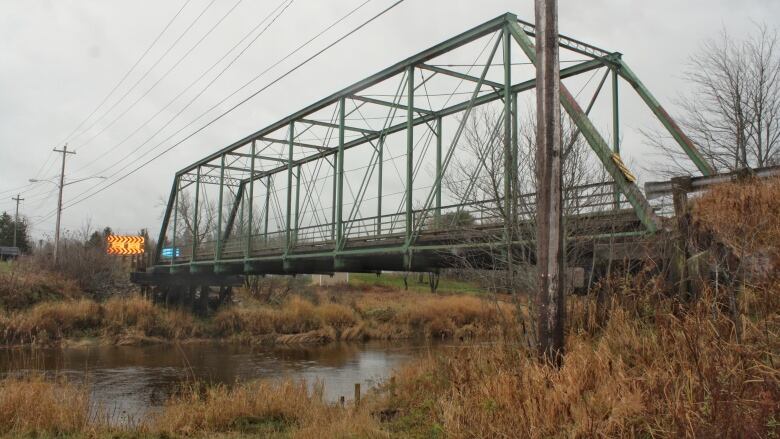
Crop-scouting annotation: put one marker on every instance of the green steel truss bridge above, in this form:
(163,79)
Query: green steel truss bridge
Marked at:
(429,158)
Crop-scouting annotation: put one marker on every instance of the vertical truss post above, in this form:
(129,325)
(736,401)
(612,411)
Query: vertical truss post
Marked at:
(515,153)
(248,248)
(381,151)
(508,160)
(615,128)
(335,199)
(340,176)
(175,219)
(679,136)
(288,215)
(438,167)
(267,213)
(195,218)
(218,252)
(297,203)
(409,151)
(166,217)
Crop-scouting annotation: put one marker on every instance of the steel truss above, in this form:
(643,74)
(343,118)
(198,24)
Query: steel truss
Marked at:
(242,241)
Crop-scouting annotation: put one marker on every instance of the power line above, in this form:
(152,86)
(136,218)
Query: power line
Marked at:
(161,78)
(300,47)
(156,63)
(243,101)
(127,74)
(205,72)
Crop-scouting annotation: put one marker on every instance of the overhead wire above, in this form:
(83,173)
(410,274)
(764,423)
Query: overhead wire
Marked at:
(150,69)
(188,87)
(240,103)
(163,76)
(129,71)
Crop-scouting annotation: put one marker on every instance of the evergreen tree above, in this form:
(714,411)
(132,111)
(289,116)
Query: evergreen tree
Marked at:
(7,232)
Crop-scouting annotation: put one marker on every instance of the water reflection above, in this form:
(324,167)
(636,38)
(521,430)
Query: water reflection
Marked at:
(128,381)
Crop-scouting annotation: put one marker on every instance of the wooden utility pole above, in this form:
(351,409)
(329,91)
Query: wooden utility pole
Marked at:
(64,151)
(549,227)
(16,218)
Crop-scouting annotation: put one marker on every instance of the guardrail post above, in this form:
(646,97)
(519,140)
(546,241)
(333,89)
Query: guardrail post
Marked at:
(680,188)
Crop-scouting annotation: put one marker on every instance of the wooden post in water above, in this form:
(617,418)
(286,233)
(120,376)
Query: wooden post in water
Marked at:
(550,298)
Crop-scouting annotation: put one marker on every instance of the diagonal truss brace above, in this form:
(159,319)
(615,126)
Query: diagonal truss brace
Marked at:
(595,140)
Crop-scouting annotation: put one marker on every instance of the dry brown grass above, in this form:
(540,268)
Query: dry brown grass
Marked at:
(262,408)
(22,288)
(667,373)
(744,215)
(35,406)
(125,320)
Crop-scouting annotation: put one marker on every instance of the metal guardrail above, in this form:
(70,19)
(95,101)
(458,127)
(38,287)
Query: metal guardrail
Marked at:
(657,189)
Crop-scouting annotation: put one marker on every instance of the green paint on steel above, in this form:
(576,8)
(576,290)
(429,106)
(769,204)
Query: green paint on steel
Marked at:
(288,216)
(251,202)
(195,224)
(340,177)
(507,141)
(679,136)
(175,218)
(218,253)
(642,208)
(439,129)
(409,151)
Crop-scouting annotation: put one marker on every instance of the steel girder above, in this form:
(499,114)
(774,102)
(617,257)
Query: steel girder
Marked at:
(507,24)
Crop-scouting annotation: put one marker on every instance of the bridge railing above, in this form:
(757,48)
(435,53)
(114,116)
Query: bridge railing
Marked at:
(481,215)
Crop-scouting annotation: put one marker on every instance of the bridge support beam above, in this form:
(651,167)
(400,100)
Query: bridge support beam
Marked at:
(220,202)
(679,136)
(251,202)
(288,214)
(409,152)
(340,177)
(195,217)
(611,163)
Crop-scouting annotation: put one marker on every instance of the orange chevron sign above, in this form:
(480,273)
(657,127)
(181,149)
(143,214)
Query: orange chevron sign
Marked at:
(124,245)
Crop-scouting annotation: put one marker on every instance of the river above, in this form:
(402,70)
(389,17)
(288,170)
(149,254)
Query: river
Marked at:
(128,382)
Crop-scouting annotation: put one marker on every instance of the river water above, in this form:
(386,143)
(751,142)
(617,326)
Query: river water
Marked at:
(128,382)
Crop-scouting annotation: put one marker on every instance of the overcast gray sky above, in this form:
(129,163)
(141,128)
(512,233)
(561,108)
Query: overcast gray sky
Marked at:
(59,58)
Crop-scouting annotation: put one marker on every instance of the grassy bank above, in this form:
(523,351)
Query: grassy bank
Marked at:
(315,319)
(651,369)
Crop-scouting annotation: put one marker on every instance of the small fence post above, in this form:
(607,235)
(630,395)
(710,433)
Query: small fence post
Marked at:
(357,394)
(680,188)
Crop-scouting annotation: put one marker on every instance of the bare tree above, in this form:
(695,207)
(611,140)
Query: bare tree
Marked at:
(733,111)
(476,179)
